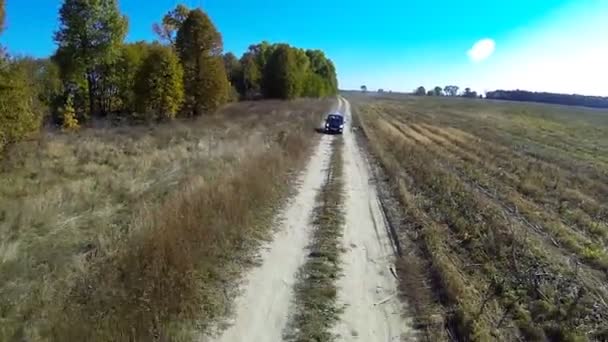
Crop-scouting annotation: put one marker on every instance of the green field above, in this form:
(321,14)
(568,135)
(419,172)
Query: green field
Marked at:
(504,214)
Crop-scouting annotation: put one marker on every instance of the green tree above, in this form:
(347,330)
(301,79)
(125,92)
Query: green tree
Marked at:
(363,88)
(281,74)
(469,93)
(126,68)
(17,115)
(232,65)
(42,77)
(171,23)
(438,91)
(262,53)
(314,86)
(89,37)
(451,90)
(199,45)
(322,66)
(332,77)
(74,84)
(234,71)
(158,85)
(252,76)
(420,91)
(302,70)
(254,62)
(49,84)
(430,93)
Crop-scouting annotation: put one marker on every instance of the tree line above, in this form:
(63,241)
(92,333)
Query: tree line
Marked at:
(449,90)
(514,95)
(281,71)
(553,98)
(94,73)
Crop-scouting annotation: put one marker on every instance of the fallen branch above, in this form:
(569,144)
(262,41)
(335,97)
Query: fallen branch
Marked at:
(385,300)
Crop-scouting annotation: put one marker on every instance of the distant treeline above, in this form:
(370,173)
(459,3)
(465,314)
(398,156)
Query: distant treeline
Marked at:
(94,73)
(563,99)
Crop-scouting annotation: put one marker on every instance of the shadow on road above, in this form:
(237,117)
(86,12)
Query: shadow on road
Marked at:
(322,131)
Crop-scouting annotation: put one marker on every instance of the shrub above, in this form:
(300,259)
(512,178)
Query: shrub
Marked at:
(70,123)
(233,94)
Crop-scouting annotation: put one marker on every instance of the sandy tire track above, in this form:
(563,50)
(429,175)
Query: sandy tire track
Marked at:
(262,309)
(368,289)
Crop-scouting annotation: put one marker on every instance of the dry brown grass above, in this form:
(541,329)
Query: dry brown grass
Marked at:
(132,233)
(511,222)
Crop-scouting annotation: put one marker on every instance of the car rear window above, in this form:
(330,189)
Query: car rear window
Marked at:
(335,119)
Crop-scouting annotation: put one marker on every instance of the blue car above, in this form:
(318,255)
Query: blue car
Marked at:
(334,124)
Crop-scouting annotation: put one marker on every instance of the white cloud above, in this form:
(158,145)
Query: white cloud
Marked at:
(481,50)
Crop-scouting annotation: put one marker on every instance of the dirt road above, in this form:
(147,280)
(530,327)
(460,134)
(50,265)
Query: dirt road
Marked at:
(367,288)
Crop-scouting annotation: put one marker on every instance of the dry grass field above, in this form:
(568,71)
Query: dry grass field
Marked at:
(504,214)
(118,233)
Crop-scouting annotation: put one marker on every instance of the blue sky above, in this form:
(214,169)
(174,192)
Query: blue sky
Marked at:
(553,45)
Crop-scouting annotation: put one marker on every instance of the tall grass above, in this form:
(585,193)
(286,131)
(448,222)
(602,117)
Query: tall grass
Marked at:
(133,234)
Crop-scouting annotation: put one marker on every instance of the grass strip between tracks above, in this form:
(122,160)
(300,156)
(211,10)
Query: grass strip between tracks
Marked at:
(316,292)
